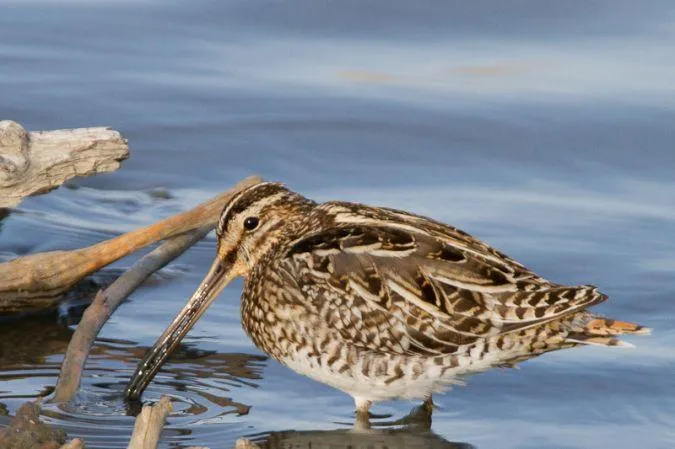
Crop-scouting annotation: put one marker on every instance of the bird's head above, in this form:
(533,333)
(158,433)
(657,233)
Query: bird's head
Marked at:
(253,223)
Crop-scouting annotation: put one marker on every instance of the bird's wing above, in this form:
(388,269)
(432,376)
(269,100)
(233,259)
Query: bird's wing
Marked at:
(413,286)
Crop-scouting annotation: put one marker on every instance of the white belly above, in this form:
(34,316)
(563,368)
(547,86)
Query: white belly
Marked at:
(421,375)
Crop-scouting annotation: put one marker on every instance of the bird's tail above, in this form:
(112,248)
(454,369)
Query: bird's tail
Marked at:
(603,332)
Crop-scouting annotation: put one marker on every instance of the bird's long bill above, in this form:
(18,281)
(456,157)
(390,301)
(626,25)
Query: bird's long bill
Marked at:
(217,278)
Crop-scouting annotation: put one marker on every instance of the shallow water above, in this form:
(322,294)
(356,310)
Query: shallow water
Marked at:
(544,128)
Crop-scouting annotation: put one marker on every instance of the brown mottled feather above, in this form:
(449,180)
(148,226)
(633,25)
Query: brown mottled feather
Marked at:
(393,282)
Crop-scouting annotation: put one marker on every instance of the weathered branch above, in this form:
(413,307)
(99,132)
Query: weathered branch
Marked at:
(38,281)
(105,304)
(37,162)
(149,424)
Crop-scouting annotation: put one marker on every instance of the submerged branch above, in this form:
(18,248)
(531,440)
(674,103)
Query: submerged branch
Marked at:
(105,304)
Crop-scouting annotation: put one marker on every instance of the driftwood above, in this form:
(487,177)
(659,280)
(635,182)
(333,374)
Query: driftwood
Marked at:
(38,281)
(26,430)
(29,164)
(149,424)
(37,162)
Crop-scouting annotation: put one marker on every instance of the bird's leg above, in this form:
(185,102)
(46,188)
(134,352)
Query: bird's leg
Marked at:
(362,413)
(428,404)
(362,405)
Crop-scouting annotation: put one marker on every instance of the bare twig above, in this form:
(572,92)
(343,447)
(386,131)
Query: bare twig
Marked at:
(105,304)
(39,281)
(149,424)
(37,162)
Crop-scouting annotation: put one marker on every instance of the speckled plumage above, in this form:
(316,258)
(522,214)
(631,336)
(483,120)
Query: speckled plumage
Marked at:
(384,304)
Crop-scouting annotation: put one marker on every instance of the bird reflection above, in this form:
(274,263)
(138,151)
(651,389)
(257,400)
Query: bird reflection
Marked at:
(373,439)
(409,436)
(410,432)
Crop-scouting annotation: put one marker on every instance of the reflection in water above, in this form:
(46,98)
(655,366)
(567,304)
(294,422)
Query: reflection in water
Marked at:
(412,431)
(349,439)
(31,342)
(200,383)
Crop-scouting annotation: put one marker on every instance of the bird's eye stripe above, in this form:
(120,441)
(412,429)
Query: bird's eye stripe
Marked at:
(247,198)
(253,195)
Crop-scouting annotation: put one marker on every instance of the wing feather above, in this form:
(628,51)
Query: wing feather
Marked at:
(390,285)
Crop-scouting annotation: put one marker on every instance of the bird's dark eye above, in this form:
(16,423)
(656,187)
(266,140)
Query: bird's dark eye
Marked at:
(251,223)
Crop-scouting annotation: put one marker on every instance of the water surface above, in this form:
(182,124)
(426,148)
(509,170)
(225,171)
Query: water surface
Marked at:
(544,128)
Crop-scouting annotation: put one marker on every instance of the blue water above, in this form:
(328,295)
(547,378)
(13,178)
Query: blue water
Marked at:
(544,128)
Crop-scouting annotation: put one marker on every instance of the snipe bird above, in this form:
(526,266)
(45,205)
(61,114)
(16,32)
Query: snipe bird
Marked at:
(377,302)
